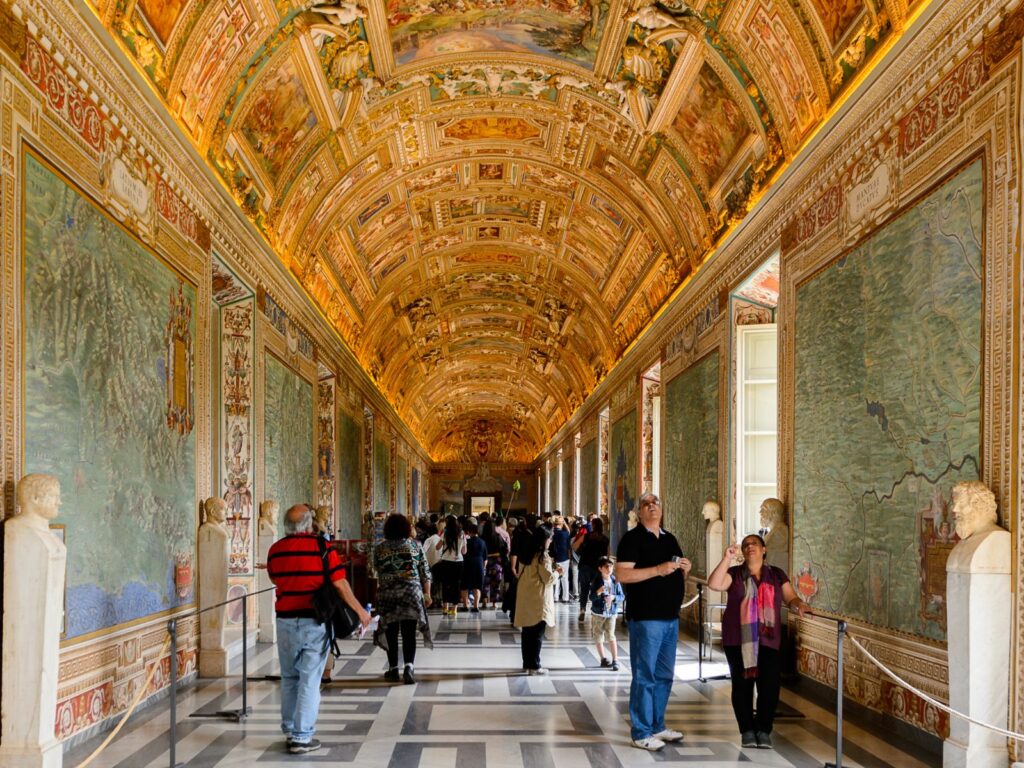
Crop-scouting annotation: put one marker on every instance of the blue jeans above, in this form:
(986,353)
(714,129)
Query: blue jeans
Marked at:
(302,652)
(652,657)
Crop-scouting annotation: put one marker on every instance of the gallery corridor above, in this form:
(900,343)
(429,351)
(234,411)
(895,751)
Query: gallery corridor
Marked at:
(472,707)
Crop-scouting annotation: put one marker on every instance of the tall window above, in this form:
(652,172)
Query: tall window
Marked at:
(757,421)
(561,483)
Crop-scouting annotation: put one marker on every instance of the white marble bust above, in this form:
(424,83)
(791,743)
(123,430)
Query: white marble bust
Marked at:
(322,520)
(974,511)
(773,517)
(38,501)
(269,510)
(213,546)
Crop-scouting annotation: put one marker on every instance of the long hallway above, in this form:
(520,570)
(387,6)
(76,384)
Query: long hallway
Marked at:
(472,707)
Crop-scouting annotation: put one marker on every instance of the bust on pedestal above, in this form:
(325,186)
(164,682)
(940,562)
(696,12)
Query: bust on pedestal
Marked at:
(978,614)
(267,535)
(773,517)
(34,563)
(714,541)
(213,588)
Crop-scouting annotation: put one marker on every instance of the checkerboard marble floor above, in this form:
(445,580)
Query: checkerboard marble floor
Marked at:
(472,707)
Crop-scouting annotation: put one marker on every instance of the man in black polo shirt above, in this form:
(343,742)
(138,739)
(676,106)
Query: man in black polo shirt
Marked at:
(652,569)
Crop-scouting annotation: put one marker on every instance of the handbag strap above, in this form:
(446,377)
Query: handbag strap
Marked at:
(322,544)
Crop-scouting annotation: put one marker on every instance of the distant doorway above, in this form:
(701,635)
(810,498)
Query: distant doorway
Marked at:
(475,503)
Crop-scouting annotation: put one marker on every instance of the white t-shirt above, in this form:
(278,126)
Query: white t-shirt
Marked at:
(447,554)
(430,550)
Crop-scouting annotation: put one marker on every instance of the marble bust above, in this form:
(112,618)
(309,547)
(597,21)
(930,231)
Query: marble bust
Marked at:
(322,520)
(773,517)
(714,539)
(213,546)
(978,604)
(267,530)
(268,518)
(33,584)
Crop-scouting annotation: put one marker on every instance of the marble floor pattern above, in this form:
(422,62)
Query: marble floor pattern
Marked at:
(473,708)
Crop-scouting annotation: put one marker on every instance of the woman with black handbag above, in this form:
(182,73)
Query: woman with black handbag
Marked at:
(403,593)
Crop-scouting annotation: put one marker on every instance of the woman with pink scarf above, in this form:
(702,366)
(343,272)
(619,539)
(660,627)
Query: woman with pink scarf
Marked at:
(751,631)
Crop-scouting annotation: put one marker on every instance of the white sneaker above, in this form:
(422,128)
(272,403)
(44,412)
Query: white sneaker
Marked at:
(651,743)
(538,671)
(669,735)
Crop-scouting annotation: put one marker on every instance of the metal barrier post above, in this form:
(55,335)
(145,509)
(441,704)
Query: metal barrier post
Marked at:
(245,657)
(700,632)
(172,630)
(840,635)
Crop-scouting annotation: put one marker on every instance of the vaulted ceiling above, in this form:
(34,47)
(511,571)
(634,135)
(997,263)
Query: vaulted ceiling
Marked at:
(490,199)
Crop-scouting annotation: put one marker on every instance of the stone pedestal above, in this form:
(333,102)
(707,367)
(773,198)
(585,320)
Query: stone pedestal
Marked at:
(714,539)
(978,617)
(34,563)
(213,589)
(265,606)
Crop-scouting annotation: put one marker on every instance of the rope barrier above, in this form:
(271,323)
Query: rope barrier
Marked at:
(131,709)
(690,602)
(929,699)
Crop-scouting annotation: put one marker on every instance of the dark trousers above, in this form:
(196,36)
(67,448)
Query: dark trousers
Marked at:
(587,576)
(767,682)
(532,638)
(451,574)
(408,627)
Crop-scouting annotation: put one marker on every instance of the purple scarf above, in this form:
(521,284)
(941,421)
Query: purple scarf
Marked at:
(757,619)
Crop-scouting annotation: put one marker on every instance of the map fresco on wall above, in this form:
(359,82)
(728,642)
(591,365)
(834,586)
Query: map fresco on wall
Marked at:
(401,470)
(109,404)
(588,479)
(350,489)
(570,31)
(622,493)
(381,477)
(888,411)
(287,437)
(691,455)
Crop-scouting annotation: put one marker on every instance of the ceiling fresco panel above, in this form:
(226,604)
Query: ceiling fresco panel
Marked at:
(566,30)
(490,199)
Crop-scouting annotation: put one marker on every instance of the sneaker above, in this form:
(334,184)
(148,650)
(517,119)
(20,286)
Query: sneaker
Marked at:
(582,616)
(392,675)
(407,676)
(615,666)
(651,744)
(474,609)
(669,735)
(606,662)
(537,671)
(302,747)
(764,740)
(748,739)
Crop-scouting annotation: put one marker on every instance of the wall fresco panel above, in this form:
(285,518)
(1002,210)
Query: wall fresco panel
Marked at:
(691,455)
(109,403)
(622,474)
(288,436)
(888,411)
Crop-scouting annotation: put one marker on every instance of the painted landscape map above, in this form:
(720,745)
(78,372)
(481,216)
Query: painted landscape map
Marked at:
(691,455)
(350,479)
(109,403)
(888,411)
(287,437)
(622,475)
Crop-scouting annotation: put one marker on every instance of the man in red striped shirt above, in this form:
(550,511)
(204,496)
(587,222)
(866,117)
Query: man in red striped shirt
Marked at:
(295,566)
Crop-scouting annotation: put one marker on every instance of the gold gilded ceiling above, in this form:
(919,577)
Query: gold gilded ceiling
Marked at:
(491,199)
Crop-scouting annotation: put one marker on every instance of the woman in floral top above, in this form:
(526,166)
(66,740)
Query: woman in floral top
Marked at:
(403,593)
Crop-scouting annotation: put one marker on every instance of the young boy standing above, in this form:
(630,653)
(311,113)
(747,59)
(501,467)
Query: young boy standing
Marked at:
(606,597)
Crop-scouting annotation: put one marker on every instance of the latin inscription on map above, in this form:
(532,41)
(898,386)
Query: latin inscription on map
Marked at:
(888,410)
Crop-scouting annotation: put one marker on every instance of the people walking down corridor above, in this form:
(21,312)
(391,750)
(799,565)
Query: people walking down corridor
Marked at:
(591,546)
(653,571)
(452,547)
